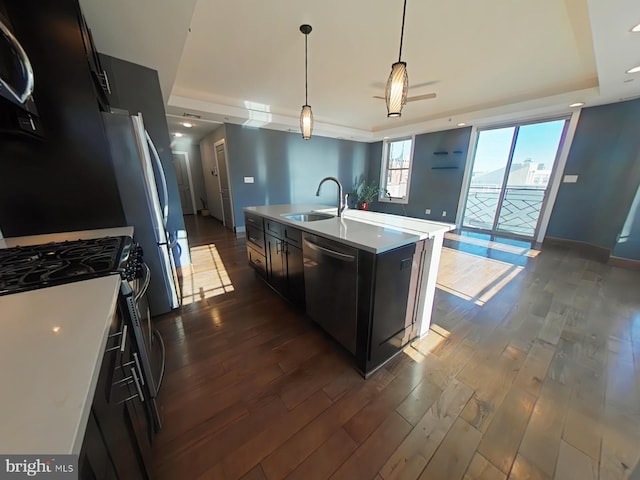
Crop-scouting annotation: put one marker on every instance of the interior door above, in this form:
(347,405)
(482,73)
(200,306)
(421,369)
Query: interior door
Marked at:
(225,193)
(182,175)
(211,182)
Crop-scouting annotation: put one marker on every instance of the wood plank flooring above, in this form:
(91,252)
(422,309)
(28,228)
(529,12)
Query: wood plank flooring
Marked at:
(529,372)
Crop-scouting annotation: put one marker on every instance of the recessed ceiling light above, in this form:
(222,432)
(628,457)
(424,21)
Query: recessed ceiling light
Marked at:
(577,104)
(187,124)
(462,124)
(634,69)
(177,134)
(636,29)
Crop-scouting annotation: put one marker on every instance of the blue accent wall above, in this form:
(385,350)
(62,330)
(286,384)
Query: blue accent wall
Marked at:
(436,178)
(287,169)
(605,153)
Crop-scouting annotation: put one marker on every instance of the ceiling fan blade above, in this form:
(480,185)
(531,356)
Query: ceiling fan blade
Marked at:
(383,85)
(426,96)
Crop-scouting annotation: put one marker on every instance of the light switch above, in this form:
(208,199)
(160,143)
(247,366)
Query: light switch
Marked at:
(570,179)
(248,179)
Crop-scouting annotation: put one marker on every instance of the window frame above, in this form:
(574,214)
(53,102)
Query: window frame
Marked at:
(384,167)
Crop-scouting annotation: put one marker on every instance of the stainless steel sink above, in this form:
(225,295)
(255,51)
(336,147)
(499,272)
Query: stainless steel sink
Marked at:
(308,216)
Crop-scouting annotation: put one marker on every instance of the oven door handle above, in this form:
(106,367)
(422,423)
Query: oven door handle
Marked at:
(20,97)
(145,282)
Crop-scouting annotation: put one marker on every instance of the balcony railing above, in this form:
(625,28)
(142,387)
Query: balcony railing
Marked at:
(519,213)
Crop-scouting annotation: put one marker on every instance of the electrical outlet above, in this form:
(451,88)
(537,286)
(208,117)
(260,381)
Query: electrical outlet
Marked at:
(444,213)
(427,211)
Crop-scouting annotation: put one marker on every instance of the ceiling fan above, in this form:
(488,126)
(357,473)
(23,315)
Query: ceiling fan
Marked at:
(415,98)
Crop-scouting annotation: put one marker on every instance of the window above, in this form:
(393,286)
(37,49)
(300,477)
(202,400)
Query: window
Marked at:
(396,170)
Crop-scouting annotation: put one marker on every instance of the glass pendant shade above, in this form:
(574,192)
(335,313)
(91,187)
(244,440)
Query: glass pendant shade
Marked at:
(397,89)
(306,122)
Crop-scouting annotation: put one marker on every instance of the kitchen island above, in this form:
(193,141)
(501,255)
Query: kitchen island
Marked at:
(368,279)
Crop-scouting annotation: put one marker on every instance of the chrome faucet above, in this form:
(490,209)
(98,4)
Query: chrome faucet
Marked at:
(342,203)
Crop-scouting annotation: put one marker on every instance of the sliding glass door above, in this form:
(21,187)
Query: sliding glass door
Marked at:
(510,176)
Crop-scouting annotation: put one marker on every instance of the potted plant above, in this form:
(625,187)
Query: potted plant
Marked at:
(367,193)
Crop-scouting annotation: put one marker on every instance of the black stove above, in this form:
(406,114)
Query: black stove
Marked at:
(39,266)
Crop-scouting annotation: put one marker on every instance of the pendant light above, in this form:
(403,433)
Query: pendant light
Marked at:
(306,117)
(398,83)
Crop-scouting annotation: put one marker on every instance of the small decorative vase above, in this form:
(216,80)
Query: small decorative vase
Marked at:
(364,206)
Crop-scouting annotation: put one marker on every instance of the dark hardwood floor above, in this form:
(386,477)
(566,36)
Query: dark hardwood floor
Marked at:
(531,371)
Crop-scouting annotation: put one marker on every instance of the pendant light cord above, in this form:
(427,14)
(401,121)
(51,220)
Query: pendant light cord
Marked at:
(306,100)
(404,11)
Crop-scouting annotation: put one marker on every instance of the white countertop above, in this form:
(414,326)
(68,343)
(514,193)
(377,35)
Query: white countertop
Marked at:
(51,349)
(370,231)
(63,236)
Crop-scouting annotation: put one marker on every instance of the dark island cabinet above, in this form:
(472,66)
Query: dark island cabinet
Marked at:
(277,263)
(295,274)
(256,249)
(274,250)
(384,296)
(378,304)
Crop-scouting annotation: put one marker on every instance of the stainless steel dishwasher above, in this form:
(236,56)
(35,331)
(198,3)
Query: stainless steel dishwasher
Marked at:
(331,287)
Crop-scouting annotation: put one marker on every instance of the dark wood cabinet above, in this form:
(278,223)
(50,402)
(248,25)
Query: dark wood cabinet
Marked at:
(388,295)
(276,263)
(117,441)
(295,274)
(41,187)
(94,461)
(285,261)
(99,77)
(274,250)
(256,251)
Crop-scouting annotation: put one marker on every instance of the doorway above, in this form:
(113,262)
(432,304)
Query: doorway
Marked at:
(225,188)
(185,183)
(510,177)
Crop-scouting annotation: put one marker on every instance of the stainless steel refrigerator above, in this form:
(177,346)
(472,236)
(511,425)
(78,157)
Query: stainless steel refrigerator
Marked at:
(143,192)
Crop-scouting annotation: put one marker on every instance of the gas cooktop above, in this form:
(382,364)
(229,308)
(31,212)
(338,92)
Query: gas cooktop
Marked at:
(38,266)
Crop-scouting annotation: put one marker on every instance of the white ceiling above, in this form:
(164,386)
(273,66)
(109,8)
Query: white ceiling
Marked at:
(198,130)
(243,61)
(147,32)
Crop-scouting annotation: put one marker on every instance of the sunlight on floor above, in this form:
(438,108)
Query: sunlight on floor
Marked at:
(503,247)
(422,347)
(472,277)
(206,277)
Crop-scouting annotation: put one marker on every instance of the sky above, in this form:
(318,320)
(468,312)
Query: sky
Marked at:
(537,141)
